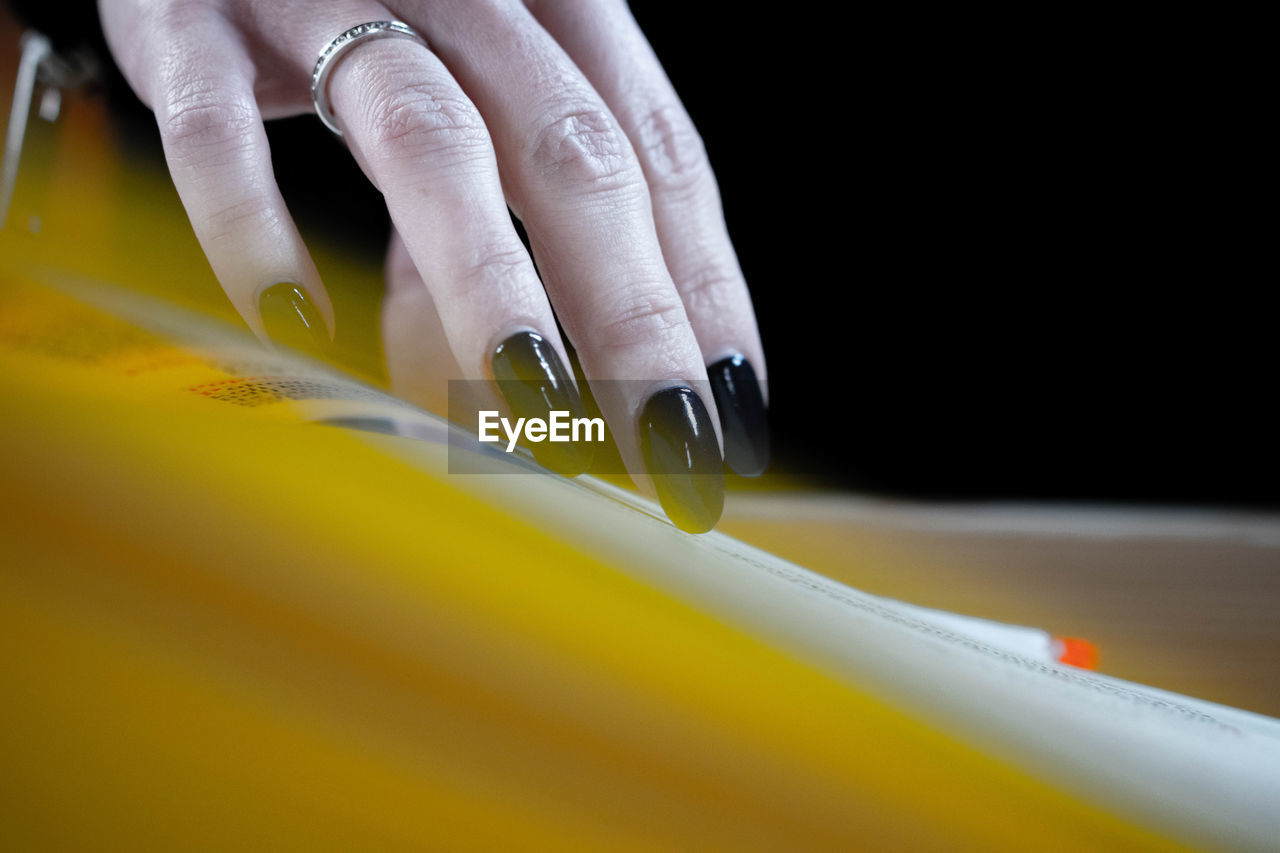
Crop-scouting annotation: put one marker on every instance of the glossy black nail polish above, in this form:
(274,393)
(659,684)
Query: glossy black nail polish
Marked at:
(291,320)
(744,420)
(681,453)
(534,382)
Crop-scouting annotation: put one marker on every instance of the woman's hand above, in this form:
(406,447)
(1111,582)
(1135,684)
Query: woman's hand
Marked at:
(557,109)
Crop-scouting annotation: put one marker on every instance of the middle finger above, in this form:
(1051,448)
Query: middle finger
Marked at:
(423,143)
(570,174)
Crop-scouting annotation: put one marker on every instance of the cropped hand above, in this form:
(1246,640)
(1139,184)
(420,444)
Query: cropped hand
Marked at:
(556,110)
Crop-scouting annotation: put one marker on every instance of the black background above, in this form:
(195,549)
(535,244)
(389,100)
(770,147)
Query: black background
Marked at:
(1014,251)
(990,258)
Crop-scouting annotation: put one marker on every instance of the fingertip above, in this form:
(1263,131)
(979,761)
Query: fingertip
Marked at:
(291,319)
(535,383)
(744,417)
(681,455)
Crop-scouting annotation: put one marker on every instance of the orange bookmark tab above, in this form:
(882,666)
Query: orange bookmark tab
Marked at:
(1076,652)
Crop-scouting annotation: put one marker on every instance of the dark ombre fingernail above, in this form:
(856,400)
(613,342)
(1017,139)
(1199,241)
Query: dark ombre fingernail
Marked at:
(534,382)
(290,319)
(744,420)
(683,457)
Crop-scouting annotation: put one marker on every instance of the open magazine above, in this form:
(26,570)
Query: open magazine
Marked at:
(599,674)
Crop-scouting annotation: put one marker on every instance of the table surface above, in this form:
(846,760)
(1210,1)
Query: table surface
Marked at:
(1181,599)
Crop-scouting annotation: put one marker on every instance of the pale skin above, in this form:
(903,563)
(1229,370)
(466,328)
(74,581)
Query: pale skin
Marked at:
(557,109)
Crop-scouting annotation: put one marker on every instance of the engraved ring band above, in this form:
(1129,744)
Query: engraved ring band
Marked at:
(338,48)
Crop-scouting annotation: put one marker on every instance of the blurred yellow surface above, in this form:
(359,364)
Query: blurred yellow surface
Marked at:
(224,625)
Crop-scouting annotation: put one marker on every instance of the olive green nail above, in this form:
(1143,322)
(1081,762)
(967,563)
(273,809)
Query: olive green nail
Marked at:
(678,443)
(534,382)
(291,320)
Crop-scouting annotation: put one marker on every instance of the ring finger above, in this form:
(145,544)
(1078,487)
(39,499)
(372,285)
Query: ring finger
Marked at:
(422,142)
(604,41)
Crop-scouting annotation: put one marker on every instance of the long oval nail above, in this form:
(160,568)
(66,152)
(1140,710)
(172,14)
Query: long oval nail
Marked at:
(683,457)
(534,382)
(290,319)
(744,419)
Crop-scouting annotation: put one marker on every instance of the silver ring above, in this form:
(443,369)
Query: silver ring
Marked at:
(337,48)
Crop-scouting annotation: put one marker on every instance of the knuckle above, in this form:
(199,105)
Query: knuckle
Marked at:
(708,289)
(503,269)
(642,318)
(674,158)
(419,119)
(199,114)
(196,101)
(231,221)
(584,147)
